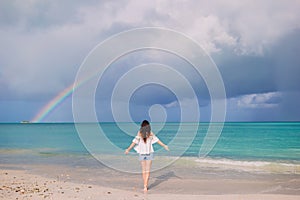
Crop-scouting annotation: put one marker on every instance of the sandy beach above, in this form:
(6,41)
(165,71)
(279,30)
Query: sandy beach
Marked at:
(21,184)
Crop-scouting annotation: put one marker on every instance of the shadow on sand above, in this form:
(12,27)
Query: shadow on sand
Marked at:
(163,178)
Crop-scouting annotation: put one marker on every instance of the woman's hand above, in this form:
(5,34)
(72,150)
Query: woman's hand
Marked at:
(126,151)
(163,145)
(129,148)
(166,148)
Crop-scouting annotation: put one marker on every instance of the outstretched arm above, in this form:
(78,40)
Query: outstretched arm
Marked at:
(163,145)
(129,148)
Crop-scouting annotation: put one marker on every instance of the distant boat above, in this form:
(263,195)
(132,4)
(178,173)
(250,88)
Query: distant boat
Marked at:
(25,122)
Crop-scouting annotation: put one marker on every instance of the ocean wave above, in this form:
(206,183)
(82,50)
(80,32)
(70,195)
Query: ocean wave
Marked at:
(257,166)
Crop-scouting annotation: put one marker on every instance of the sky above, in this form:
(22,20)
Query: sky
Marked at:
(254,44)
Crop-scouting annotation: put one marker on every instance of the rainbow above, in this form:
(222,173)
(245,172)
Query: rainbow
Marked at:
(58,99)
(51,105)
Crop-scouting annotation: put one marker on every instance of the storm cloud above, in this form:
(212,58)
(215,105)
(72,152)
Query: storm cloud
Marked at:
(255,45)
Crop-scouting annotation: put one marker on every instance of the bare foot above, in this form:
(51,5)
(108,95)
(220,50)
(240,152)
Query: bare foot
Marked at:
(145,189)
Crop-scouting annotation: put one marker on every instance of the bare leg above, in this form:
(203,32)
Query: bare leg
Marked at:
(143,163)
(146,167)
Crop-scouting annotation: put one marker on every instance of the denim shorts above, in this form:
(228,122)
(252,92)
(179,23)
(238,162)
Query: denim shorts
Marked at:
(146,156)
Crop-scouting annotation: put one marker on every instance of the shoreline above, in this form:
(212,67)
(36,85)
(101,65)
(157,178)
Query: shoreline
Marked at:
(20,184)
(186,176)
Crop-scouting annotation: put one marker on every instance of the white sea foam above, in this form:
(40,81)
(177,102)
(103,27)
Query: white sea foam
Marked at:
(232,162)
(257,166)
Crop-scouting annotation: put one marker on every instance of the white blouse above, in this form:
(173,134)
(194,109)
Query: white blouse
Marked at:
(144,148)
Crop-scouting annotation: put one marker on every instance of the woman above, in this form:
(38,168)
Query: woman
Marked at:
(142,143)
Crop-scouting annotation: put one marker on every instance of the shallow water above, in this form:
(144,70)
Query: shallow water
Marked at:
(242,147)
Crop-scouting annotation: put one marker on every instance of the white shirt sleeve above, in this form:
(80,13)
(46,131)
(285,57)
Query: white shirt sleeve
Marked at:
(154,139)
(136,140)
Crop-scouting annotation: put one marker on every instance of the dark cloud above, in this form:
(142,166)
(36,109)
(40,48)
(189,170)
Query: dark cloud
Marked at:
(286,60)
(243,74)
(277,70)
(44,42)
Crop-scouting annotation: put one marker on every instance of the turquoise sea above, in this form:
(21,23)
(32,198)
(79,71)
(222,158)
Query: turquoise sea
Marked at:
(260,146)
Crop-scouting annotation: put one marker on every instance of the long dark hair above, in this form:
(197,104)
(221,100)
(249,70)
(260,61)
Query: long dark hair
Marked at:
(145,130)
